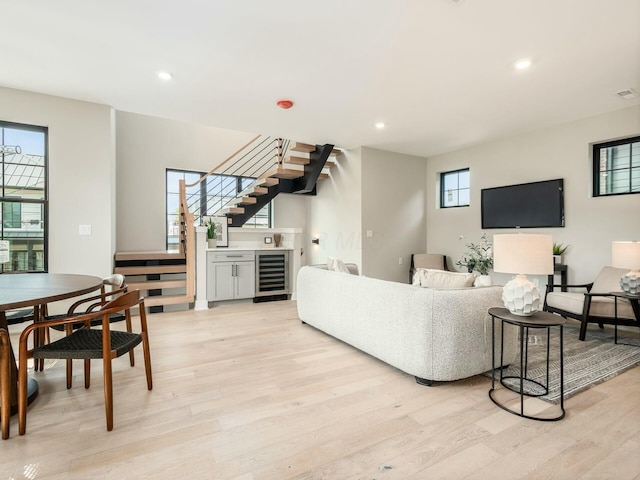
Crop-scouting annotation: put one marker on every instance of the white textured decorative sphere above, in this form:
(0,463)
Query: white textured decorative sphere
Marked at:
(630,283)
(521,296)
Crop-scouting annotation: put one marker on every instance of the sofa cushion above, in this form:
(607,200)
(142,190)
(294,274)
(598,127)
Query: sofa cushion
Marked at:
(431,278)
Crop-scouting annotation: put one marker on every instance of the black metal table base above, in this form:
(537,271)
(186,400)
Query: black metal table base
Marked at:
(525,387)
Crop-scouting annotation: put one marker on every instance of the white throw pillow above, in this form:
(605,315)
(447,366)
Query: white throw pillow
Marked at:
(341,267)
(331,264)
(442,279)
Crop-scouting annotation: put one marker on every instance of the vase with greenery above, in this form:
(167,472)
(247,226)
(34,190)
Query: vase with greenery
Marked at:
(479,257)
(558,251)
(211,233)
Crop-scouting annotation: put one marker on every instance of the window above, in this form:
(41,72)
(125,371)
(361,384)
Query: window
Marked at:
(23,196)
(206,198)
(454,188)
(616,167)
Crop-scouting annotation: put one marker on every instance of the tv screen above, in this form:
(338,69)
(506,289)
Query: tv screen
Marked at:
(528,205)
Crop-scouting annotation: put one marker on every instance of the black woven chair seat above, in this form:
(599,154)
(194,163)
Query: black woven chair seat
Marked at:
(18,316)
(116,317)
(87,343)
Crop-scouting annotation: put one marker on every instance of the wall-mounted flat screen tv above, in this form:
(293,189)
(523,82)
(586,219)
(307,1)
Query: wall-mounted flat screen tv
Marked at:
(528,205)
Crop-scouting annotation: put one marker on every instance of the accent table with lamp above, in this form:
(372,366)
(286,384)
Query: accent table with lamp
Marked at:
(524,254)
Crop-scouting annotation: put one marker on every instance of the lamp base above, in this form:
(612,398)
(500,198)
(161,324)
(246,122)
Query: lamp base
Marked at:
(521,296)
(630,283)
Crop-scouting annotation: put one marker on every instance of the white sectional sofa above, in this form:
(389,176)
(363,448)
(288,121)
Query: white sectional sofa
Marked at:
(432,334)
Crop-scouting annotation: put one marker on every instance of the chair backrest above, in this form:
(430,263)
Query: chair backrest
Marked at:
(434,261)
(608,280)
(125,301)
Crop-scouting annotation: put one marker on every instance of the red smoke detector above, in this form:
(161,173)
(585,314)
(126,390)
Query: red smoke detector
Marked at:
(286,104)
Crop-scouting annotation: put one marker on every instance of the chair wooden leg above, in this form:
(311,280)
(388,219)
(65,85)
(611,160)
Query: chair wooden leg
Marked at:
(87,373)
(5,385)
(22,389)
(108,392)
(69,373)
(583,329)
(147,359)
(127,319)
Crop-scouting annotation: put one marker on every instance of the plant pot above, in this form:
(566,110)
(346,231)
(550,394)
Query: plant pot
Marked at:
(483,281)
(557,259)
(212,242)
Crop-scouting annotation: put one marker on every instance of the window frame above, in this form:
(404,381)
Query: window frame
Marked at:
(203,198)
(44,202)
(596,171)
(457,172)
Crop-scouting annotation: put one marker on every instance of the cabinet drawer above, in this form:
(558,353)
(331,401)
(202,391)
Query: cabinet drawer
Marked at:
(233,256)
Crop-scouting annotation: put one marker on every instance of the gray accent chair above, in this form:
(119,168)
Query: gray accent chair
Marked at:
(595,305)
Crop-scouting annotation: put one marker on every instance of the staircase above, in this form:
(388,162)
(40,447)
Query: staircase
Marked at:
(279,166)
(164,277)
(296,173)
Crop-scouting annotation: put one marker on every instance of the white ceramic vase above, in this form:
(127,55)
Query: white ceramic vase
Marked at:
(483,281)
(212,242)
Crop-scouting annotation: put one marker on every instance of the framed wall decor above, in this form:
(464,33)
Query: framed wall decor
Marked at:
(222,231)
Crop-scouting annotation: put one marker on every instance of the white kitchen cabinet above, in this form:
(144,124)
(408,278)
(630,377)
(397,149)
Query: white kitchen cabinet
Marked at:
(230,275)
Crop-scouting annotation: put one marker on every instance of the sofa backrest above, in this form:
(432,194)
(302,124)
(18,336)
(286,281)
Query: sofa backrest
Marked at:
(353,268)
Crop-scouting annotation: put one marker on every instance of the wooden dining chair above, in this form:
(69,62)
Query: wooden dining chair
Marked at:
(87,343)
(5,382)
(112,286)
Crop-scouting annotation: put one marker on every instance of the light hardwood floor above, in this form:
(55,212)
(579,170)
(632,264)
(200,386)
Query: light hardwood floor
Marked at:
(248,392)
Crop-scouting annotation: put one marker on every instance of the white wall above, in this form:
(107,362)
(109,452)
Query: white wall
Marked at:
(562,151)
(335,213)
(81,173)
(146,147)
(394,209)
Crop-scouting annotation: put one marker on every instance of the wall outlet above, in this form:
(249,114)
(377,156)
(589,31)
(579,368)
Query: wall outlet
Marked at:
(369,233)
(84,229)
(400,261)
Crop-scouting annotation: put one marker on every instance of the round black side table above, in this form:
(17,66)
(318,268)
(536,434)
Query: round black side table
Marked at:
(527,387)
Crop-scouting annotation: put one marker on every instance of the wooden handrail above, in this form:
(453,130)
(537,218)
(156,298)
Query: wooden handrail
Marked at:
(188,247)
(214,169)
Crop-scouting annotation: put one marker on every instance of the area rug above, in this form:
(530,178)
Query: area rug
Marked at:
(586,363)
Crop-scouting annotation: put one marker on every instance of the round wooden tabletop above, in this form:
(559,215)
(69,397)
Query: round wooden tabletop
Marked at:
(30,289)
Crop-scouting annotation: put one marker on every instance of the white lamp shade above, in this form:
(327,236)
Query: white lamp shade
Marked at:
(625,255)
(528,254)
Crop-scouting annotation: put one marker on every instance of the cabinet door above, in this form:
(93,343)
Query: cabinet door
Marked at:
(220,281)
(245,279)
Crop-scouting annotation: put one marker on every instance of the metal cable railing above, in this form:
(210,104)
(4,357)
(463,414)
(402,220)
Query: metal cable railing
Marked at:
(253,160)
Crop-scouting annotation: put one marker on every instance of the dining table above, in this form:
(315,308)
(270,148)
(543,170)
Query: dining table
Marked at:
(20,290)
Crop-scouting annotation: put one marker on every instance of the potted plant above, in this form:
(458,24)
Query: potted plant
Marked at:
(211,233)
(558,251)
(479,258)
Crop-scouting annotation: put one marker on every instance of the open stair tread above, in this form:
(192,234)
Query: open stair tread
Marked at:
(156,284)
(150,269)
(293,160)
(286,173)
(151,255)
(161,300)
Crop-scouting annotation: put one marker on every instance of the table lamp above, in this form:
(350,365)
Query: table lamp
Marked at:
(627,255)
(522,254)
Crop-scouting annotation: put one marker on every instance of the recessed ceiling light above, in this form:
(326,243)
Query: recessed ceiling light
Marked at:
(522,64)
(166,76)
(380,125)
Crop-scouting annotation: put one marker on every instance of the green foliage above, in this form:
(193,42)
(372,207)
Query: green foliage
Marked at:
(479,257)
(211,229)
(559,248)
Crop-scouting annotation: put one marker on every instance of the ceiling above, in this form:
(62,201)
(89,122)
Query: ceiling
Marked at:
(438,73)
